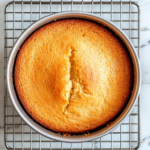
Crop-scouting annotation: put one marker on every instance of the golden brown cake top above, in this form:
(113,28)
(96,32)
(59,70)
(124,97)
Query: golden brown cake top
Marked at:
(73,75)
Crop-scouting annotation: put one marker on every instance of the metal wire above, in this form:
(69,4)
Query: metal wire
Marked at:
(17,134)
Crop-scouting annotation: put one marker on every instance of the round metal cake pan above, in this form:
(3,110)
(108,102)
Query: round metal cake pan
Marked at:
(78,138)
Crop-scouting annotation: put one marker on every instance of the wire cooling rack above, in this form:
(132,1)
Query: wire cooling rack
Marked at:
(18,16)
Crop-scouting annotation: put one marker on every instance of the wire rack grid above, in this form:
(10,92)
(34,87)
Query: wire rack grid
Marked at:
(18,16)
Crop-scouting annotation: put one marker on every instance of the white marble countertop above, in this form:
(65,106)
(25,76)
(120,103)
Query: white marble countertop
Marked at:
(145,67)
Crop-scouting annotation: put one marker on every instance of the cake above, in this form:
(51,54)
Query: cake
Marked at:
(73,75)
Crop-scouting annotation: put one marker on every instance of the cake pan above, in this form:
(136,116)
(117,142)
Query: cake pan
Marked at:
(95,134)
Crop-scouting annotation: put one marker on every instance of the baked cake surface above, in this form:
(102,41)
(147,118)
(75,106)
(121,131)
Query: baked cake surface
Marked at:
(73,75)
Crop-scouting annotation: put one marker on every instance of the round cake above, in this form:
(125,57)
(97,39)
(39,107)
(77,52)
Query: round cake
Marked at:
(73,75)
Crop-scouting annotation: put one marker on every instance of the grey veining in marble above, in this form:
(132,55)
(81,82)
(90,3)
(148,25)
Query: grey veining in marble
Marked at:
(145,67)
